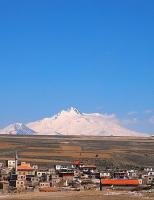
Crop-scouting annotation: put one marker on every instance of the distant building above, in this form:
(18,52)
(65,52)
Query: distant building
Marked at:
(20,185)
(44,185)
(11,164)
(121,182)
(25,169)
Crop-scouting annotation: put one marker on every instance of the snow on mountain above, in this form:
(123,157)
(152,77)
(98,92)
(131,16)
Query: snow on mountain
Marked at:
(17,129)
(73,122)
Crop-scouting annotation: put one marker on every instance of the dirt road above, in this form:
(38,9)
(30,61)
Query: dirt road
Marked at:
(88,195)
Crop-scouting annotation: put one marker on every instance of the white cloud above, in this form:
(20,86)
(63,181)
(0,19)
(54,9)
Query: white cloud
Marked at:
(151,120)
(132,121)
(148,111)
(132,113)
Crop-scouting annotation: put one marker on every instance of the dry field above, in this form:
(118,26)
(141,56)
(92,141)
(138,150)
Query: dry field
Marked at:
(88,195)
(103,151)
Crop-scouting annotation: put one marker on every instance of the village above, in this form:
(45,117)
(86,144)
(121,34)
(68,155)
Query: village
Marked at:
(18,177)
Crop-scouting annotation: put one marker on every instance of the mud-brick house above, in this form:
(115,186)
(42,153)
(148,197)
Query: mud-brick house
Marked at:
(25,169)
(66,175)
(4,186)
(148,169)
(42,172)
(77,164)
(151,173)
(88,168)
(1,165)
(46,187)
(4,174)
(121,174)
(55,180)
(150,180)
(52,171)
(20,185)
(132,174)
(21,182)
(33,182)
(45,184)
(105,175)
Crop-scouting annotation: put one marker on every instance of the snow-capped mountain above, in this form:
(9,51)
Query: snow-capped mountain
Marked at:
(73,122)
(17,129)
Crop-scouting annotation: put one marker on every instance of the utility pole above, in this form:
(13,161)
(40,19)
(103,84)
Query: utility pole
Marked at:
(16,162)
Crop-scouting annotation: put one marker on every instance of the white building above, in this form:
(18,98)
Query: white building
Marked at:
(11,164)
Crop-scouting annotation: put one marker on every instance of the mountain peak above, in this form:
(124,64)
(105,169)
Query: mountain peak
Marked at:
(73,110)
(17,129)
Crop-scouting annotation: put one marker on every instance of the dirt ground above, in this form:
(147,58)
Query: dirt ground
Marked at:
(86,195)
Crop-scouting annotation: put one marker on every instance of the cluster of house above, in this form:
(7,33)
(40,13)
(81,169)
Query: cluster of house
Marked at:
(19,177)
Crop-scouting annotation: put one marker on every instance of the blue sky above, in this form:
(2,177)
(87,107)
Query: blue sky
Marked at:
(97,56)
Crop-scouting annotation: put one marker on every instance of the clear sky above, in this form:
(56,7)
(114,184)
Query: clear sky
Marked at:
(96,55)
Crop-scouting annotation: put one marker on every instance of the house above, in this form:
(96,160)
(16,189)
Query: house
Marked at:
(32,181)
(150,180)
(120,183)
(21,177)
(5,174)
(44,185)
(88,168)
(20,185)
(120,174)
(151,173)
(11,164)
(105,175)
(148,169)
(66,175)
(35,167)
(4,186)
(55,180)
(60,167)
(25,169)
(51,171)
(1,165)
(41,173)
(77,164)
(132,174)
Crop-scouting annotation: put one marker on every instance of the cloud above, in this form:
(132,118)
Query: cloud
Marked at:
(148,111)
(151,120)
(132,121)
(132,113)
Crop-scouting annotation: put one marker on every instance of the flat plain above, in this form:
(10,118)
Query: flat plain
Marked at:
(102,151)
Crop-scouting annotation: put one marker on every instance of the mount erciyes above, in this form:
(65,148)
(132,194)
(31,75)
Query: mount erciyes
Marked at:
(73,122)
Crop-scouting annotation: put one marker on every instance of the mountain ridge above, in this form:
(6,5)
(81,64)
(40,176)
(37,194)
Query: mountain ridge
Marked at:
(74,122)
(17,129)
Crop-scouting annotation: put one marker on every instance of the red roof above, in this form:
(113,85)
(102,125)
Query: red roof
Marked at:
(120,182)
(88,166)
(76,163)
(24,167)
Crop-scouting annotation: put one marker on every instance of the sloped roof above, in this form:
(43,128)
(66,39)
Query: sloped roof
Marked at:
(119,182)
(24,167)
